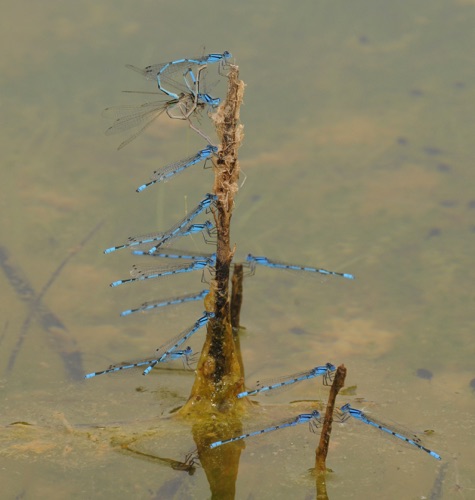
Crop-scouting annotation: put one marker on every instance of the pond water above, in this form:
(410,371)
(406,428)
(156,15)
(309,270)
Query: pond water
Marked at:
(358,157)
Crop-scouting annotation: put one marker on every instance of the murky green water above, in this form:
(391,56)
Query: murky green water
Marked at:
(359,157)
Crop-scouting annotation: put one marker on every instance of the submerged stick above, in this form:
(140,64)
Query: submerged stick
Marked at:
(65,345)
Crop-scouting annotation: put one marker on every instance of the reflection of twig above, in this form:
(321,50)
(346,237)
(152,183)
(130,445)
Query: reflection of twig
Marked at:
(188,464)
(71,356)
(436,491)
(25,293)
(4,331)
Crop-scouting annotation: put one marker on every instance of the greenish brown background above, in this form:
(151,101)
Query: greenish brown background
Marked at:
(358,157)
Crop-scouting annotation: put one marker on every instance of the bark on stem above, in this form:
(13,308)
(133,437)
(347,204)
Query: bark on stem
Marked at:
(219,373)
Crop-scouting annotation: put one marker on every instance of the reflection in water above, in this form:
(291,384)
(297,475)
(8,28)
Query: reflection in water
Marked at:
(48,320)
(188,464)
(334,198)
(222,465)
(436,492)
(66,347)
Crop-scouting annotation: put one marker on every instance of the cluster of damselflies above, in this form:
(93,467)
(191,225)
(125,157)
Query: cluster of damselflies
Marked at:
(183,83)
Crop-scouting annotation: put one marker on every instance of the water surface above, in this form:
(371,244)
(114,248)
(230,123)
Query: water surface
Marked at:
(358,155)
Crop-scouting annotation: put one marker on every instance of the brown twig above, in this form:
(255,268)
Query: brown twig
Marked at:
(219,372)
(236,296)
(322,449)
(229,131)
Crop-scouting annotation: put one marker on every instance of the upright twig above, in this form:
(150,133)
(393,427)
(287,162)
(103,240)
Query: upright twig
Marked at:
(219,371)
(322,450)
(236,296)
(236,303)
